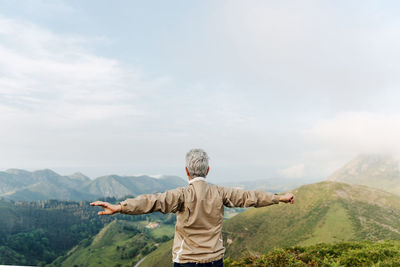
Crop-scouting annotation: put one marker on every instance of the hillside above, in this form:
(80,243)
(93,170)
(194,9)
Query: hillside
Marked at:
(162,256)
(326,212)
(378,171)
(120,243)
(345,254)
(21,185)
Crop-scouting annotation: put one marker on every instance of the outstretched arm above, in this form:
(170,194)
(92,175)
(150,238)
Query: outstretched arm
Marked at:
(233,197)
(169,201)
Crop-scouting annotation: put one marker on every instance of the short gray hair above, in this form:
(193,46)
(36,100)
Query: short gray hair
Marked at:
(197,163)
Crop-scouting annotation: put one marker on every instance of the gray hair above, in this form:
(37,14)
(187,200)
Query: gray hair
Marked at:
(197,163)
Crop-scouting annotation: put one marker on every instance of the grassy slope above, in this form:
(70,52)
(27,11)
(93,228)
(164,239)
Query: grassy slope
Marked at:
(324,212)
(162,256)
(336,226)
(109,246)
(345,254)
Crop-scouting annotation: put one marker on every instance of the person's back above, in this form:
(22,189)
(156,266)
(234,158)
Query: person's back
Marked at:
(198,230)
(200,210)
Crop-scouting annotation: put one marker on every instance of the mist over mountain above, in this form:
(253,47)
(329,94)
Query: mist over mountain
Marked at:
(17,184)
(274,185)
(373,170)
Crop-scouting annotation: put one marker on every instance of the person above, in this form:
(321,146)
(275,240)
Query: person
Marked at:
(199,209)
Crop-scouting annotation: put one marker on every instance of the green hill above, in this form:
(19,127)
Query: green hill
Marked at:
(120,243)
(326,212)
(377,171)
(162,256)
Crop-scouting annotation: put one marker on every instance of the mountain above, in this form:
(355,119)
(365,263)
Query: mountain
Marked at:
(16,184)
(79,176)
(326,212)
(45,184)
(378,171)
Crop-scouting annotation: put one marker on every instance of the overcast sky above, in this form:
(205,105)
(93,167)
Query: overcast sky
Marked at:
(269,89)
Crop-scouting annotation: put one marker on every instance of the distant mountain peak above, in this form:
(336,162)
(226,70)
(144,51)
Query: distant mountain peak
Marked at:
(46,172)
(79,176)
(375,170)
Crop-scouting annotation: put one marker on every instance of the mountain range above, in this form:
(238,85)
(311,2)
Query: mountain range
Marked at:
(359,201)
(17,185)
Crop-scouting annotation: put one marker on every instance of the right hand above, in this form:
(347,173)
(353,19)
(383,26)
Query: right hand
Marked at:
(287,198)
(109,209)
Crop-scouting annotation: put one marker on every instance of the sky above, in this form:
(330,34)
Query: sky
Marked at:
(270,89)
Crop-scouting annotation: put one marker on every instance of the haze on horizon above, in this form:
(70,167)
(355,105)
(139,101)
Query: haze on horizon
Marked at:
(268,89)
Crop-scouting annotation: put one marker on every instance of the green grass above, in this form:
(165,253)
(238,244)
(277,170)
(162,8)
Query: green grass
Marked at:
(162,256)
(164,230)
(345,254)
(336,226)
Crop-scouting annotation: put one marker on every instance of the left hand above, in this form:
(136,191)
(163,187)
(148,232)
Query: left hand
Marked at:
(109,209)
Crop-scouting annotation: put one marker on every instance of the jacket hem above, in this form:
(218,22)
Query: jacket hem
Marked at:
(201,261)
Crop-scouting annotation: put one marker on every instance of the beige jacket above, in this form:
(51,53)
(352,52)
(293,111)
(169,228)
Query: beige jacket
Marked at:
(200,211)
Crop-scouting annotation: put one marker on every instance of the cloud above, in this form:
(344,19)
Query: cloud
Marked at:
(292,89)
(362,132)
(314,53)
(54,75)
(62,104)
(294,171)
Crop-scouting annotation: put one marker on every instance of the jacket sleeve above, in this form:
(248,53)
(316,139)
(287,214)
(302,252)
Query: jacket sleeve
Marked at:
(169,201)
(233,197)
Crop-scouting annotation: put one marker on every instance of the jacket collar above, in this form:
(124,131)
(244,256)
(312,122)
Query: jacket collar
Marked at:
(197,179)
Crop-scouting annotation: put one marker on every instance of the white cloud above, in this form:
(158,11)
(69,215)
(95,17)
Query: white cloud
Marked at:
(54,75)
